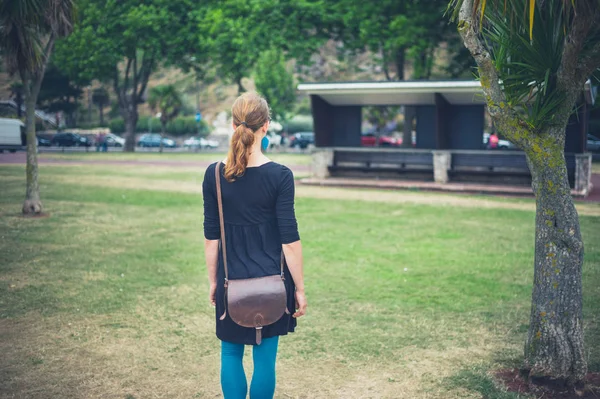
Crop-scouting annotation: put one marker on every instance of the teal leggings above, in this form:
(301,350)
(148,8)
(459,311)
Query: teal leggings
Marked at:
(233,378)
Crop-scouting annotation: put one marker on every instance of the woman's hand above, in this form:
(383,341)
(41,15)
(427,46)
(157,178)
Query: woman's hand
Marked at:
(300,304)
(212,295)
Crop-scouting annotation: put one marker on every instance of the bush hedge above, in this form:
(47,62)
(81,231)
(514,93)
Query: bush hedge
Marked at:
(180,126)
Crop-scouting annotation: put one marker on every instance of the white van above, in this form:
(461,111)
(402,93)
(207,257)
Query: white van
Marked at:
(12,135)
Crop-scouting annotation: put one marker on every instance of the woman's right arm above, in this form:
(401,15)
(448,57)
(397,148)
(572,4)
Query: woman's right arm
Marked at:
(293,258)
(290,239)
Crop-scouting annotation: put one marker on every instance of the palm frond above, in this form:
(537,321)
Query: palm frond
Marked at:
(26,24)
(525,39)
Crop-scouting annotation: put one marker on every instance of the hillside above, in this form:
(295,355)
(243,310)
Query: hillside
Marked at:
(215,95)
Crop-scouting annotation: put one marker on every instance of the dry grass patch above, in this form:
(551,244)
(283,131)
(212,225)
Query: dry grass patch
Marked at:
(158,352)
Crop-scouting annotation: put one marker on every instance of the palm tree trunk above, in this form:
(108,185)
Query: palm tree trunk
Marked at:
(163,130)
(19,102)
(101,109)
(32,204)
(554,345)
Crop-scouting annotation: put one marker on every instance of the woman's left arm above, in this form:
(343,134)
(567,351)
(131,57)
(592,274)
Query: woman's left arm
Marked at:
(212,231)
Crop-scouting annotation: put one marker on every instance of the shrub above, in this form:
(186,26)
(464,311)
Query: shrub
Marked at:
(299,123)
(180,126)
(117,125)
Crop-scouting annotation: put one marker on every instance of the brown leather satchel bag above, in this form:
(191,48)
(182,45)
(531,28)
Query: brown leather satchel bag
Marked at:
(251,302)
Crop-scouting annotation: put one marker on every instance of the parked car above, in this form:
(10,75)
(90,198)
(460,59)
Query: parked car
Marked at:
(593,143)
(12,134)
(70,140)
(200,142)
(153,140)
(302,139)
(43,141)
(372,140)
(112,140)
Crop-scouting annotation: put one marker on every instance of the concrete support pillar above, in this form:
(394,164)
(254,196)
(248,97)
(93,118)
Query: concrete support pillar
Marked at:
(583,173)
(322,158)
(441,164)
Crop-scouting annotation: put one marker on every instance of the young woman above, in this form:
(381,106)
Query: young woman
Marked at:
(259,220)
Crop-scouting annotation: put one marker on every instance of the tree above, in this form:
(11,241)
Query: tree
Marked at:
(124,41)
(400,32)
(275,83)
(59,93)
(29,31)
(237,41)
(101,99)
(533,66)
(166,100)
(379,116)
(16,92)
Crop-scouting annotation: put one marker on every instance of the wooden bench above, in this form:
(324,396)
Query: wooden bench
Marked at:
(382,161)
(509,164)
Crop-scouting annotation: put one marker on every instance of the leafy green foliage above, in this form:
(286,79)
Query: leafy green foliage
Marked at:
(379,116)
(528,69)
(26,26)
(58,92)
(187,125)
(180,126)
(400,31)
(123,41)
(238,32)
(166,100)
(114,31)
(526,40)
(275,83)
(299,123)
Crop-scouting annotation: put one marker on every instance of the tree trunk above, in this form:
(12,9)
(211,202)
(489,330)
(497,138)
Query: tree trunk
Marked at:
(399,61)
(163,126)
(241,88)
(554,346)
(130,129)
(32,204)
(410,113)
(101,109)
(89,100)
(19,102)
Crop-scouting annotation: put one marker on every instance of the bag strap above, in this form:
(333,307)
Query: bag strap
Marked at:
(222,224)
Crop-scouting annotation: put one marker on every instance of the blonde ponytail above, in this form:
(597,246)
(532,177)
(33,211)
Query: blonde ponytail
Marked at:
(239,152)
(249,112)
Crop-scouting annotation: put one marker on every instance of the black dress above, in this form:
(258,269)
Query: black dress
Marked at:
(258,209)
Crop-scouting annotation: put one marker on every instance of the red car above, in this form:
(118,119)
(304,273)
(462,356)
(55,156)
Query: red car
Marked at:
(371,140)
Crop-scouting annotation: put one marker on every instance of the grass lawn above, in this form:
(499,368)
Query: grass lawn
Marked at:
(410,295)
(596,167)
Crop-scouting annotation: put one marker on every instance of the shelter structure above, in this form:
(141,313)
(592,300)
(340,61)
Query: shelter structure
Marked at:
(450,119)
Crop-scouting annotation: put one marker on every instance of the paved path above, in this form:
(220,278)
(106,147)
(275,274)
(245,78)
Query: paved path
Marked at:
(458,188)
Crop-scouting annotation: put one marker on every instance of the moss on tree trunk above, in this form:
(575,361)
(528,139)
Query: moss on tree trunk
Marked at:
(554,347)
